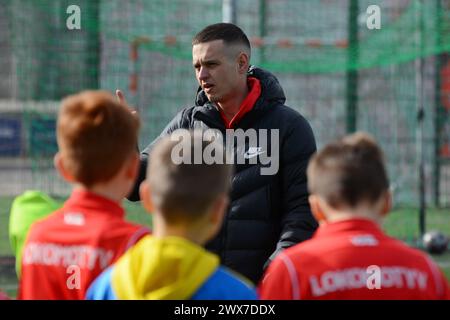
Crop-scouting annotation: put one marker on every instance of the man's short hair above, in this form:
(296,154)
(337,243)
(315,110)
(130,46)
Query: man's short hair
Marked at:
(184,192)
(349,171)
(96,134)
(228,32)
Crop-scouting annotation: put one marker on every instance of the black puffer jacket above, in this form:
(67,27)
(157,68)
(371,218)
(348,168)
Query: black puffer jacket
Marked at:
(267,212)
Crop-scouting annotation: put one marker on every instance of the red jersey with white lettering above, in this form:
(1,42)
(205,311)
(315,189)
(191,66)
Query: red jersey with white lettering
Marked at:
(353,259)
(67,250)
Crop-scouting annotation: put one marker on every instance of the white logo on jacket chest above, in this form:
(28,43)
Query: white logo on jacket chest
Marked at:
(253,152)
(229,148)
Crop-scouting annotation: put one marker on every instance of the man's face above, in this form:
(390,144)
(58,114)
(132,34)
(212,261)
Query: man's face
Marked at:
(216,70)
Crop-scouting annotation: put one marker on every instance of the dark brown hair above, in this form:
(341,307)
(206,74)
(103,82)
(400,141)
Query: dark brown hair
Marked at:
(96,134)
(184,192)
(228,32)
(348,171)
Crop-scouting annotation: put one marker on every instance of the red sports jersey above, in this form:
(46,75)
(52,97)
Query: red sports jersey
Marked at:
(353,259)
(67,250)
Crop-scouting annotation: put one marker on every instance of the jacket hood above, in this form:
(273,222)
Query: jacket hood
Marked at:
(271,90)
(162,268)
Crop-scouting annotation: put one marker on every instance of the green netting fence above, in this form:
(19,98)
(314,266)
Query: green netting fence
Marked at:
(341,75)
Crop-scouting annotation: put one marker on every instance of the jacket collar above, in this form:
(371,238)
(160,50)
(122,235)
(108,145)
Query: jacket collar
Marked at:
(359,225)
(271,94)
(247,105)
(84,199)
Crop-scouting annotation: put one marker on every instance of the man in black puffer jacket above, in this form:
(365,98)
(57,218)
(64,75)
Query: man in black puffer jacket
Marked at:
(268,212)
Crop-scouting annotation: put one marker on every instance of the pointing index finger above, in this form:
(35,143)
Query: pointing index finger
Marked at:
(120,97)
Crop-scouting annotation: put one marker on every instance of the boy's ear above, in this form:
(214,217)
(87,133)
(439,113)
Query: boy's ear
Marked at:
(216,215)
(59,165)
(316,209)
(387,204)
(219,208)
(144,192)
(133,166)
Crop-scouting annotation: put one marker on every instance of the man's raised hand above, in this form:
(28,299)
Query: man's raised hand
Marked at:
(121,98)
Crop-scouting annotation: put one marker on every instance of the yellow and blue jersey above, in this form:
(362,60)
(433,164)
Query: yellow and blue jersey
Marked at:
(169,268)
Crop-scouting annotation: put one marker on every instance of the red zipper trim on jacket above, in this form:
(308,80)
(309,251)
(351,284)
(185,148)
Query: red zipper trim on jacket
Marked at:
(247,105)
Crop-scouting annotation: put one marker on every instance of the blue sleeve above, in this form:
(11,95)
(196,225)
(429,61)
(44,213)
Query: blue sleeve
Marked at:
(101,288)
(224,285)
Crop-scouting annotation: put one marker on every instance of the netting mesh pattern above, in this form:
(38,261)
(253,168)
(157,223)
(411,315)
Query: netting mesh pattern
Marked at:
(144,48)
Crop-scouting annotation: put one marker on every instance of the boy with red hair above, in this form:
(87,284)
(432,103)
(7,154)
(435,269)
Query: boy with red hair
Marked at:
(66,251)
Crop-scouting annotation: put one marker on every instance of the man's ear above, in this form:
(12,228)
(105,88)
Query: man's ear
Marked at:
(243,62)
(144,192)
(387,204)
(316,209)
(59,165)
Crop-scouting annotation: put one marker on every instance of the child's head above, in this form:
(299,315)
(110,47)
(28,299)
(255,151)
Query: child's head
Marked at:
(347,178)
(97,140)
(189,197)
